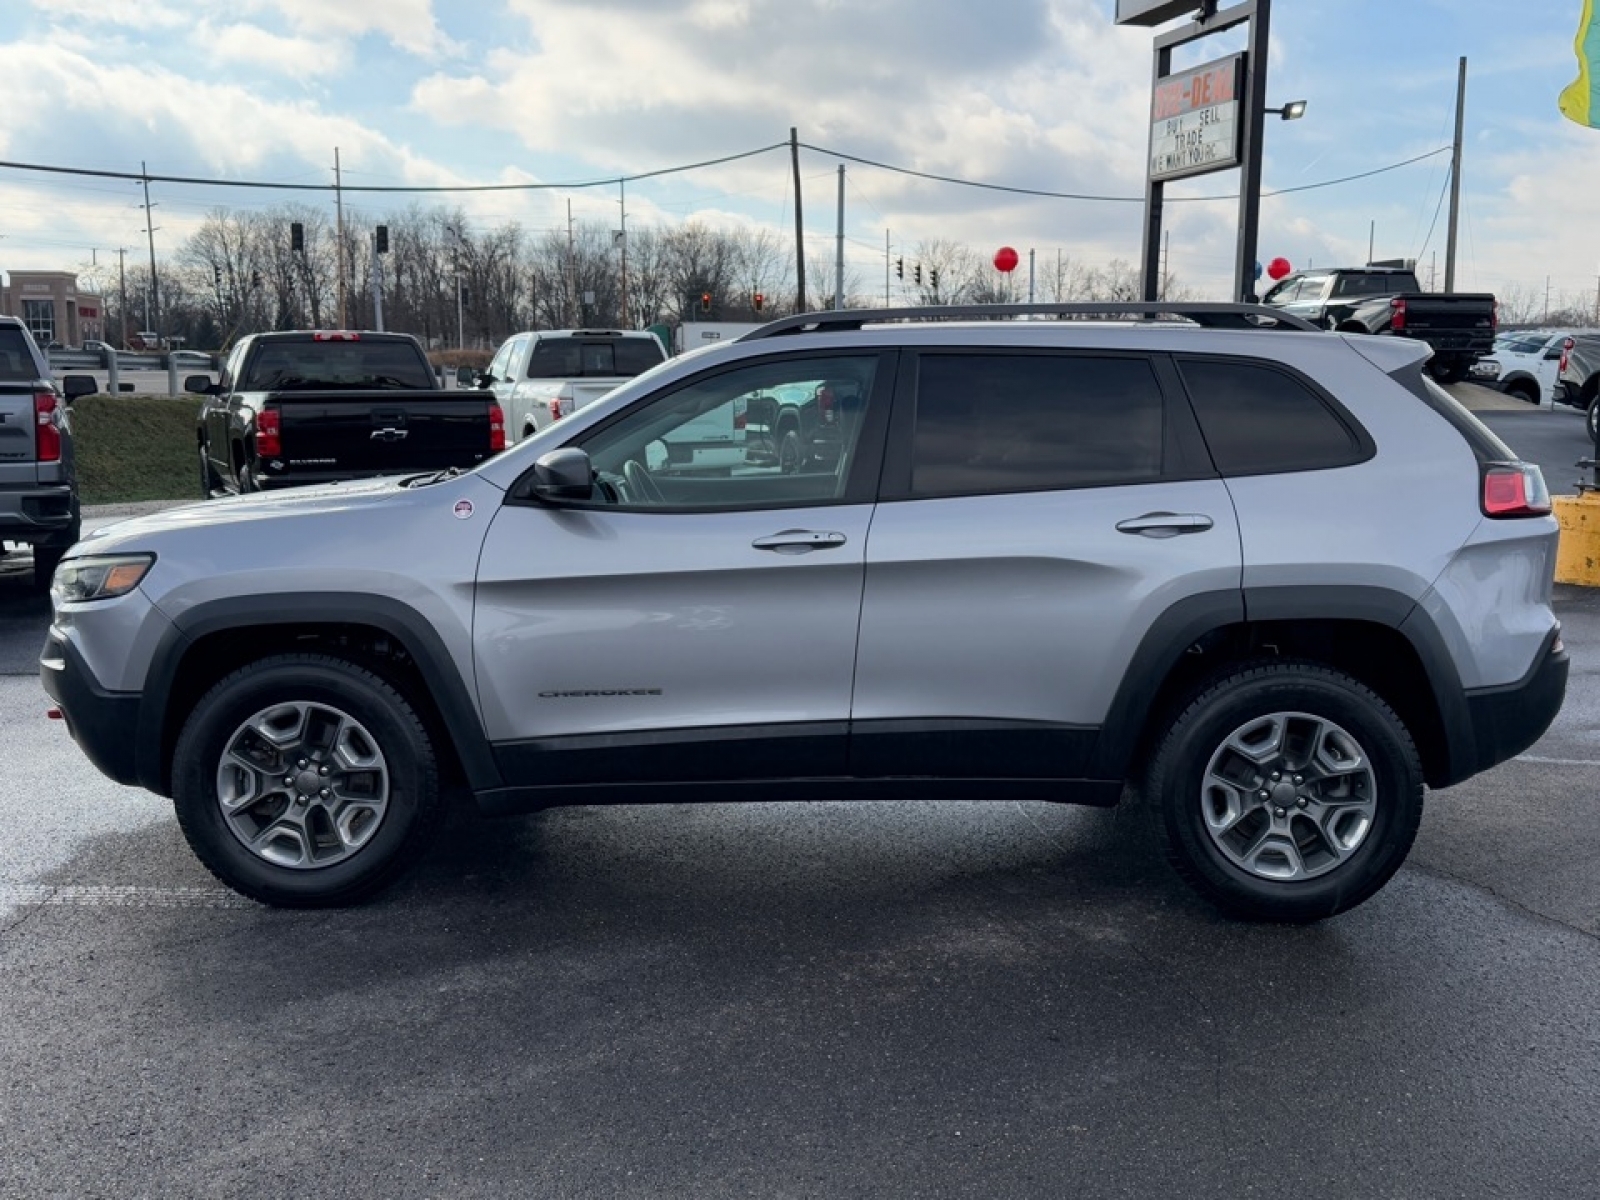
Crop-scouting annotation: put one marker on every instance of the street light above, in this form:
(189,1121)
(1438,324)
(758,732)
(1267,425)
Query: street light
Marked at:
(1291,111)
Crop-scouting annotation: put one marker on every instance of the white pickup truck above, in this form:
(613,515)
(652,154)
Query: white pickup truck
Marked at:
(543,375)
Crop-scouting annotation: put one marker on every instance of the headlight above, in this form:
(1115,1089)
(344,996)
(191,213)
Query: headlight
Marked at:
(99,577)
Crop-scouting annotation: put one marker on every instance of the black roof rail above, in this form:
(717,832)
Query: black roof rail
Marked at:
(1207,315)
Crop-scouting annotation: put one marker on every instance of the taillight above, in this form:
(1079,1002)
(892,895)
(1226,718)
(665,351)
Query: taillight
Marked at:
(269,434)
(1397,313)
(555,408)
(1514,490)
(497,428)
(1566,353)
(47,436)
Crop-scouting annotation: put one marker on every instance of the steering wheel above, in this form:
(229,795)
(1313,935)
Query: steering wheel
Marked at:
(641,484)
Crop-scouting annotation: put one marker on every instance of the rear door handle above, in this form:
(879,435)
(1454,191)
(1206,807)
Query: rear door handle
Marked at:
(1165,524)
(800,541)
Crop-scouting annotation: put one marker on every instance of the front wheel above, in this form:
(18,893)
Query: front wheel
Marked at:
(305,781)
(1286,791)
(1594,419)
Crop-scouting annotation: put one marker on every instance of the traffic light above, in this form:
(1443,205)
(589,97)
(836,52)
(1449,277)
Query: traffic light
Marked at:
(297,237)
(917,274)
(380,239)
(933,277)
(705,302)
(900,268)
(757,301)
(216,273)
(255,279)
(466,296)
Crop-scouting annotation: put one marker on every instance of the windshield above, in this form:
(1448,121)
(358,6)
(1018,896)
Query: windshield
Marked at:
(362,364)
(578,358)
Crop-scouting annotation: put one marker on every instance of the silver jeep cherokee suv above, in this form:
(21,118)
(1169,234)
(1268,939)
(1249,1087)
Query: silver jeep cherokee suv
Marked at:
(1271,576)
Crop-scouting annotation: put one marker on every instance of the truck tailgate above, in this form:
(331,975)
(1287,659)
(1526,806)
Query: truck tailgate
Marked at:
(332,434)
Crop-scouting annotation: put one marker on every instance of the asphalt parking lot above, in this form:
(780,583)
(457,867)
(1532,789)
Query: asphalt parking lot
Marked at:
(895,999)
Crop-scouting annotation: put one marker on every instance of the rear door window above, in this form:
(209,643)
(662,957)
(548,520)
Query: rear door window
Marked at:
(1259,419)
(998,422)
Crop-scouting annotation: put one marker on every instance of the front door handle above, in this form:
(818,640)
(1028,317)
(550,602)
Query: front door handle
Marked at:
(800,541)
(1165,524)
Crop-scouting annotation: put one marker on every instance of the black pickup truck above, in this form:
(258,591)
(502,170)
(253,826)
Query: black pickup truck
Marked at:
(1460,326)
(317,407)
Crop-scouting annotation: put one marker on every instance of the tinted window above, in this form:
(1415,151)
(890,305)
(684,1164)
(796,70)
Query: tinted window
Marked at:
(16,358)
(999,423)
(359,364)
(1385,284)
(575,358)
(1258,420)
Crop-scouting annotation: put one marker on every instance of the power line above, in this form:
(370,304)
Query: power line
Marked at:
(328,187)
(1048,195)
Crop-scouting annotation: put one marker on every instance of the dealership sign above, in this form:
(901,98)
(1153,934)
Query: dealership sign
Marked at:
(1194,120)
(1153,12)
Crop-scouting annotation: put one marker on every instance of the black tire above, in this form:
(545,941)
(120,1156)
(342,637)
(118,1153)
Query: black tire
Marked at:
(47,555)
(210,485)
(1174,790)
(1593,420)
(1525,391)
(1447,370)
(790,452)
(412,803)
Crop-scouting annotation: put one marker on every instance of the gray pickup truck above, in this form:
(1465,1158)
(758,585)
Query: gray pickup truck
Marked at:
(38,490)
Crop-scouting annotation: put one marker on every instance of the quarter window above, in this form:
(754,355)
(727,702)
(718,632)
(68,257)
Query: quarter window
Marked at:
(1028,422)
(1258,420)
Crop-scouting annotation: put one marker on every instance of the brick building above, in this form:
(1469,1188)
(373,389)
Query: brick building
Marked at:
(53,307)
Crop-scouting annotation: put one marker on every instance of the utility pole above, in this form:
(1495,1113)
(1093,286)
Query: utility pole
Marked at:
(153,297)
(1166,261)
(377,282)
(572,267)
(338,204)
(623,185)
(1455,179)
(122,286)
(886,253)
(1372,235)
(1030,274)
(1546,297)
(838,253)
(799,224)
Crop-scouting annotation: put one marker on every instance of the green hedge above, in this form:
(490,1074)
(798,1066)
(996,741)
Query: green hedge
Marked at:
(136,448)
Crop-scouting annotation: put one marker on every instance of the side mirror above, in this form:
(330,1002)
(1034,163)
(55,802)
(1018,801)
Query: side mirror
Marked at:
(466,377)
(199,385)
(565,474)
(73,386)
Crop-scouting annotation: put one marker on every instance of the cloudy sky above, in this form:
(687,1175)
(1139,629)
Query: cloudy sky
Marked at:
(1037,94)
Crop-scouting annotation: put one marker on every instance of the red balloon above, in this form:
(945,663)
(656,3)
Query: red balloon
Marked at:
(1005,259)
(1278,268)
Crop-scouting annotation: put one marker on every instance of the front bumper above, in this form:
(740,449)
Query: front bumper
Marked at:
(103,723)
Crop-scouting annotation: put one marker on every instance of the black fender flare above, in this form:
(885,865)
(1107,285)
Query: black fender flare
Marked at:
(1189,620)
(447,689)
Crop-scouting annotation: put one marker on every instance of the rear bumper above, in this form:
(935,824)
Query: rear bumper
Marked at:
(1507,720)
(37,513)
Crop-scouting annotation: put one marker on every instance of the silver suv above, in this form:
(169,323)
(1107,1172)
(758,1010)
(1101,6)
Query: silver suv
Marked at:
(1273,577)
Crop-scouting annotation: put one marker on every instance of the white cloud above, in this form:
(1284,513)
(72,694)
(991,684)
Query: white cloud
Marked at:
(409,24)
(252,46)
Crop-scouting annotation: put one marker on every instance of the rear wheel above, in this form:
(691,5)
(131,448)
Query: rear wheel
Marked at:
(1523,390)
(1447,370)
(1286,791)
(305,781)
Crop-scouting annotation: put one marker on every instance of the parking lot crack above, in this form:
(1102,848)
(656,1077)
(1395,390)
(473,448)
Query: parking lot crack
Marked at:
(1508,901)
(28,914)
